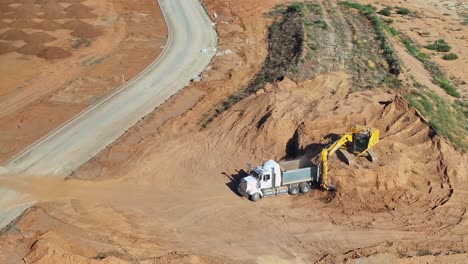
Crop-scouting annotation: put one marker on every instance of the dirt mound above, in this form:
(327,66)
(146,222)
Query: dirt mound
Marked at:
(27,10)
(3,24)
(54,53)
(14,34)
(23,23)
(80,11)
(5,8)
(53,13)
(30,49)
(52,7)
(5,48)
(40,37)
(82,29)
(49,25)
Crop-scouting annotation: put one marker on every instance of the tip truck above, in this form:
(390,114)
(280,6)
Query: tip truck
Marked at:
(273,178)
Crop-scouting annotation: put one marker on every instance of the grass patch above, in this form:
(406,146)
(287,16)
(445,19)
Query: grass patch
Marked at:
(446,84)
(403,11)
(439,45)
(370,12)
(450,56)
(414,50)
(393,31)
(447,120)
(385,12)
(438,76)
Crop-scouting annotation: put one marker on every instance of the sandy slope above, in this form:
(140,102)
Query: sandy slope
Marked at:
(169,185)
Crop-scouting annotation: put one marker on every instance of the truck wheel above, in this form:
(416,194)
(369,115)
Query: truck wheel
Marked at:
(305,187)
(255,197)
(293,190)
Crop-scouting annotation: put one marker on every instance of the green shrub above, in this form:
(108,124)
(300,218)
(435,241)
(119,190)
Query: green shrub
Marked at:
(447,85)
(385,12)
(450,56)
(439,45)
(403,11)
(413,50)
(296,8)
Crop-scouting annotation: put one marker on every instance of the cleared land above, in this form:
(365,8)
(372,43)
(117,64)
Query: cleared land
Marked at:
(59,57)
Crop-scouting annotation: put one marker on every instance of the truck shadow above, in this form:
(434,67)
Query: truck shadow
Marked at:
(235,180)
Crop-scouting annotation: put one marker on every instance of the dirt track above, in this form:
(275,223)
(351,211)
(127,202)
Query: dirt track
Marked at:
(168,185)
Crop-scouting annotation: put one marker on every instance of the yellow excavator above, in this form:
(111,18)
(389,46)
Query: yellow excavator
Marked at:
(359,140)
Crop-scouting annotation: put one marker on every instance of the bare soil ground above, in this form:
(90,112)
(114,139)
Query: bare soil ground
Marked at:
(59,57)
(165,192)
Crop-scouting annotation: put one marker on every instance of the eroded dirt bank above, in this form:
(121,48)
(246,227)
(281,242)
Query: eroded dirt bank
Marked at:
(169,184)
(59,57)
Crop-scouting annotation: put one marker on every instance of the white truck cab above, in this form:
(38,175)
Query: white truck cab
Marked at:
(271,179)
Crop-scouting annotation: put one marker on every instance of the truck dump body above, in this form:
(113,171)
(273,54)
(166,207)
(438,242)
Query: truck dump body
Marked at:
(297,171)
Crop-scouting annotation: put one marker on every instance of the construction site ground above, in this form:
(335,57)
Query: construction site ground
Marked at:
(165,192)
(59,57)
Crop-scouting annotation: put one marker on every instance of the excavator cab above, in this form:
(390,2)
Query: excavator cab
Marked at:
(360,142)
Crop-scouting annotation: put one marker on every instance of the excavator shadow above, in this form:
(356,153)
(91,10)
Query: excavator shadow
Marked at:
(235,180)
(311,151)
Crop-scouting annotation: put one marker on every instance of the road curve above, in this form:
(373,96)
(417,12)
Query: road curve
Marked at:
(68,147)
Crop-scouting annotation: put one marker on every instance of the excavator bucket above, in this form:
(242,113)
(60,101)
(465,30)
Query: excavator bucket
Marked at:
(331,188)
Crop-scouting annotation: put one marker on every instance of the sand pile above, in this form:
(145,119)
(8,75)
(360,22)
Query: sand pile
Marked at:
(79,11)
(49,25)
(5,48)
(30,49)
(3,24)
(40,37)
(52,7)
(14,34)
(82,29)
(5,8)
(52,11)
(53,53)
(23,23)
(27,10)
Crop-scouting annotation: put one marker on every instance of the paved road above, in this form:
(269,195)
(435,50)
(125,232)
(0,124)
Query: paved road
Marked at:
(68,147)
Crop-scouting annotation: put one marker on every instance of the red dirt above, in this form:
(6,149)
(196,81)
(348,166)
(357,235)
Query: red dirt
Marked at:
(30,49)
(82,29)
(23,23)
(40,37)
(79,11)
(5,8)
(14,34)
(26,10)
(49,25)
(3,24)
(92,71)
(175,181)
(5,48)
(54,53)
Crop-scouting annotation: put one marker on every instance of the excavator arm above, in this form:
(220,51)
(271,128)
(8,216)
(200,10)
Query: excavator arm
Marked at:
(328,152)
(359,140)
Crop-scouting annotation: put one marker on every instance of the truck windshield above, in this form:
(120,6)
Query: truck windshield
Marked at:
(256,175)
